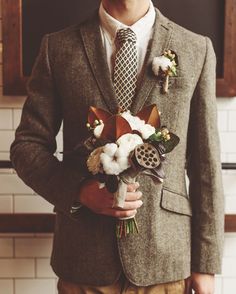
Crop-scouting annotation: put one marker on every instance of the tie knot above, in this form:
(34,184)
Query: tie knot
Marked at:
(124,35)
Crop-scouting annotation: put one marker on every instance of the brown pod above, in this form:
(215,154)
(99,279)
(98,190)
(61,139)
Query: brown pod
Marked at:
(147,156)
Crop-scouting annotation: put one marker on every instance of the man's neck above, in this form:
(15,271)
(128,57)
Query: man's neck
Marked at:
(126,11)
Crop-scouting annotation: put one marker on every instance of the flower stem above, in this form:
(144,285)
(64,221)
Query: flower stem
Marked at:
(166,84)
(126,227)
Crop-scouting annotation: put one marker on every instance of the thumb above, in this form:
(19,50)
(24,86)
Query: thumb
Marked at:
(188,286)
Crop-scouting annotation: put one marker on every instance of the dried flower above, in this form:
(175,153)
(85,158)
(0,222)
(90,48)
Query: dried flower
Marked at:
(93,162)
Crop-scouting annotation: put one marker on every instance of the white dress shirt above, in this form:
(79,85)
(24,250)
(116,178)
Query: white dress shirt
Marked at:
(143,29)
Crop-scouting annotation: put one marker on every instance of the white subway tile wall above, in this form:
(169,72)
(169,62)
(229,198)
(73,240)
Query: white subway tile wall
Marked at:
(6,203)
(6,122)
(43,268)
(17,267)
(31,204)
(33,247)
(6,286)
(6,247)
(35,286)
(25,258)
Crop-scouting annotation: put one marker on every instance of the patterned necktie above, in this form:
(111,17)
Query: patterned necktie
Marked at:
(125,70)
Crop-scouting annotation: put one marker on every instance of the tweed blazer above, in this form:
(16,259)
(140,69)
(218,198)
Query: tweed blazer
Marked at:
(181,230)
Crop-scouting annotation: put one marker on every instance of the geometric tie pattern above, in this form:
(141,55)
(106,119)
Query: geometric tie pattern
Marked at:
(126,68)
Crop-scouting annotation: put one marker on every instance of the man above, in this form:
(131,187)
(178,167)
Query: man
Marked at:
(179,246)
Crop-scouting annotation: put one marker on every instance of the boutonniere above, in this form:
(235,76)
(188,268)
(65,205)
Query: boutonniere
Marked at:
(165,66)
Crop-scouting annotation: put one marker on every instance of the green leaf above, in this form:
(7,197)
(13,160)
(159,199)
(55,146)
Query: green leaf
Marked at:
(156,137)
(174,70)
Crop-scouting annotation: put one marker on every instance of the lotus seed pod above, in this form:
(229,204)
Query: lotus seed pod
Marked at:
(147,156)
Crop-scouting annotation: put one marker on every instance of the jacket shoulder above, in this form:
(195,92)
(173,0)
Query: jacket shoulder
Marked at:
(192,48)
(187,37)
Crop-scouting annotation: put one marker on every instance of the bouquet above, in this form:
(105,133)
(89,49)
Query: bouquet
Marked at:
(121,146)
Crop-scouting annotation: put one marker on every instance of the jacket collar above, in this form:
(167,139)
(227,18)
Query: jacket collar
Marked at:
(91,36)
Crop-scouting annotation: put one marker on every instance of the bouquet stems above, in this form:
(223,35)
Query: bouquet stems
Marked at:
(125,227)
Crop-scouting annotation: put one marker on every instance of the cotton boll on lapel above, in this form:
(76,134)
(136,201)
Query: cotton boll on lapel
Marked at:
(162,63)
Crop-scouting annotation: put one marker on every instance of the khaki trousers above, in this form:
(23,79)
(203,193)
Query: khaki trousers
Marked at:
(122,286)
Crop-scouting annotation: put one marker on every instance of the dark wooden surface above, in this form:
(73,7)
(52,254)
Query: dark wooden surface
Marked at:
(13,79)
(15,70)
(44,223)
(226,86)
(65,13)
(27,223)
(230,223)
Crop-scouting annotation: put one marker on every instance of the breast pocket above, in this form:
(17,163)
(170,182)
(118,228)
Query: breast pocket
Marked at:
(175,202)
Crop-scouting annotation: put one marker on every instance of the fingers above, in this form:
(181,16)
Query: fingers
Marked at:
(132,205)
(101,201)
(119,213)
(132,187)
(132,196)
(129,209)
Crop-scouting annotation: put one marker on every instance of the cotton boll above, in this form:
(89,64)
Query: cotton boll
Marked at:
(146,131)
(129,141)
(122,151)
(134,121)
(115,159)
(98,130)
(161,62)
(123,163)
(110,149)
(110,166)
(127,116)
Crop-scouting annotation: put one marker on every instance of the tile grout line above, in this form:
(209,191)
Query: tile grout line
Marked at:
(14,286)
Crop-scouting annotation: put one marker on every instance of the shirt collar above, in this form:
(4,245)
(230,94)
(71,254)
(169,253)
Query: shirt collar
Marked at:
(110,25)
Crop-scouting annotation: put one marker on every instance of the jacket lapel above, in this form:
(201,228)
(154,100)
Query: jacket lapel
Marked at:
(91,37)
(158,44)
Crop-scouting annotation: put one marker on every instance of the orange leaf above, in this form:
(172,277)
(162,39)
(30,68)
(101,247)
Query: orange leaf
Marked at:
(115,127)
(150,115)
(99,114)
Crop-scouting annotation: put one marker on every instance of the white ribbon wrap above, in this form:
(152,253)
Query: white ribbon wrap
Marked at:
(129,177)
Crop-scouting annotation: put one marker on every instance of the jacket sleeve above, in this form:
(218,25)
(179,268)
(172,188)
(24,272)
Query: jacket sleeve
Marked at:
(204,172)
(32,152)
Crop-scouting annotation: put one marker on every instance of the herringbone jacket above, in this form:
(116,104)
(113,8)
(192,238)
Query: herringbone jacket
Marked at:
(180,231)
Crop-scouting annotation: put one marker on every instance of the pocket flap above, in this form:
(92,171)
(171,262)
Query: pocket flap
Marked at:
(175,202)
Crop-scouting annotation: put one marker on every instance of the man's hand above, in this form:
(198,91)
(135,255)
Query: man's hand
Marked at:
(200,283)
(101,201)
